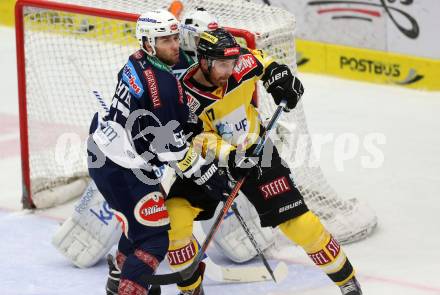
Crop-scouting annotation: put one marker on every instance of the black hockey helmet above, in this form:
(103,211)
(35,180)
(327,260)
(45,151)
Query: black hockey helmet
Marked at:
(218,44)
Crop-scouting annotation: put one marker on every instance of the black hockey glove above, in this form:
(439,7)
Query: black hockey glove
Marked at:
(281,84)
(242,163)
(214,181)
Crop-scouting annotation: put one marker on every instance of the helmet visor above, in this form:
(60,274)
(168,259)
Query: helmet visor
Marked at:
(224,65)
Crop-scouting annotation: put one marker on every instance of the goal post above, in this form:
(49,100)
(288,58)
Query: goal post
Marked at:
(66,49)
(20,17)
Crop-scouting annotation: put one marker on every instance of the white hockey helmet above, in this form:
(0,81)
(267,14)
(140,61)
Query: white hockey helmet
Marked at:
(193,23)
(155,23)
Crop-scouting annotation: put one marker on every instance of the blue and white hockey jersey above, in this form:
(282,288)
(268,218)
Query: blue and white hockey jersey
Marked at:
(150,103)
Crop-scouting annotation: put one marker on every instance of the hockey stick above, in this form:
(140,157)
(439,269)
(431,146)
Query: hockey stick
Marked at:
(176,277)
(101,101)
(242,274)
(252,239)
(237,274)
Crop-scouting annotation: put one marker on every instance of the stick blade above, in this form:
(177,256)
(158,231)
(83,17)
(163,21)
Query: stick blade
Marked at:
(253,274)
(281,271)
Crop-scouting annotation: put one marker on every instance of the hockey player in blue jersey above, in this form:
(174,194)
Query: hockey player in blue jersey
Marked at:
(148,125)
(193,23)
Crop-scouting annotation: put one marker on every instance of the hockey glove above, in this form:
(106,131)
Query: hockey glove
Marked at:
(241,163)
(214,181)
(281,84)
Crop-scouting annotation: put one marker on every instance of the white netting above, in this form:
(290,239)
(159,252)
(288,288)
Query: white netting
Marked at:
(67,55)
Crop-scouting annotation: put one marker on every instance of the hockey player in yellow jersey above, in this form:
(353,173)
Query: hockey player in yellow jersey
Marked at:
(219,91)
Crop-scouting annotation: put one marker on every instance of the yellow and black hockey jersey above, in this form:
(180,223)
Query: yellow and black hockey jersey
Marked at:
(227,112)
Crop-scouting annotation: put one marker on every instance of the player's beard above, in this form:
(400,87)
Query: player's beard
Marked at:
(216,80)
(219,81)
(170,58)
(222,82)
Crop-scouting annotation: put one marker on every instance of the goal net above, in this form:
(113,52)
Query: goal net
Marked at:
(67,49)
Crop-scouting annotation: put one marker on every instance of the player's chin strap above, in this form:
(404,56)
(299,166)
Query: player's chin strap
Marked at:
(175,277)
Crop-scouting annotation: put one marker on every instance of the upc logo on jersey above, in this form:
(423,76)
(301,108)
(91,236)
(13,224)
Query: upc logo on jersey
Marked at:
(275,187)
(245,64)
(224,129)
(151,210)
(242,125)
(233,127)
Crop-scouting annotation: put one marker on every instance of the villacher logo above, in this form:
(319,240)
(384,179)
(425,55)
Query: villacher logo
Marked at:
(367,11)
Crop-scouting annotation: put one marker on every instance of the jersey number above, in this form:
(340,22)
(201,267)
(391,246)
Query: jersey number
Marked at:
(210,114)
